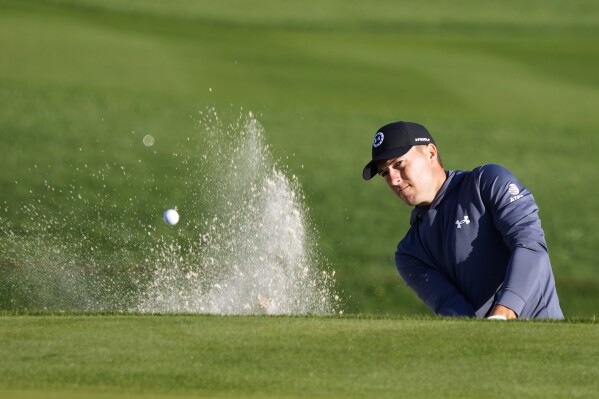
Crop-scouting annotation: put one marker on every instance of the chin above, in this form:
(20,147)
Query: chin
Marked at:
(406,201)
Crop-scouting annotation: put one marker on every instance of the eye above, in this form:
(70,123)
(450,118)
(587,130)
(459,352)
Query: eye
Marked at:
(383,173)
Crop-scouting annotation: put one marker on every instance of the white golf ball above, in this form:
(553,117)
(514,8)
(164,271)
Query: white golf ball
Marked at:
(171,217)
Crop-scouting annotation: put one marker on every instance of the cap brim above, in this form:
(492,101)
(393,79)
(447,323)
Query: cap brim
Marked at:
(370,170)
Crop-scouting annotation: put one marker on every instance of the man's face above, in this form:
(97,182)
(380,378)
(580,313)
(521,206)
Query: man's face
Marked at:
(413,177)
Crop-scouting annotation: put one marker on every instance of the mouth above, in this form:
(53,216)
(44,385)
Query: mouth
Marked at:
(399,189)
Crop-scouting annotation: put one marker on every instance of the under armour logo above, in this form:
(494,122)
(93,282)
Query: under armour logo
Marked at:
(459,223)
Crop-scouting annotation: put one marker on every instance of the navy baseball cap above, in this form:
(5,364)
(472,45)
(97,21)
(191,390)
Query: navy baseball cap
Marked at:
(394,140)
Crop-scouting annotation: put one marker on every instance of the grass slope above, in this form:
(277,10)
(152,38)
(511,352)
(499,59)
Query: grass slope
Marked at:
(81,82)
(262,357)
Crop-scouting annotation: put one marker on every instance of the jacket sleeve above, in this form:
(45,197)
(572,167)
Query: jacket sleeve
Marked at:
(516,216)
(438,293)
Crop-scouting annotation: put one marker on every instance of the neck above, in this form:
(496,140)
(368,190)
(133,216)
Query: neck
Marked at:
(439,177)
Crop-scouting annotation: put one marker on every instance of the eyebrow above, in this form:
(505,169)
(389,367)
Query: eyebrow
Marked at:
(381,167)
(390,162)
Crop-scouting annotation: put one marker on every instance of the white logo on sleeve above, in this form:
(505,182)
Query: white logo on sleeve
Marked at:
(514,191)
(459,223)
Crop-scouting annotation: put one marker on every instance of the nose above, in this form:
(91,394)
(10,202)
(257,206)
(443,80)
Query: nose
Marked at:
(394,176)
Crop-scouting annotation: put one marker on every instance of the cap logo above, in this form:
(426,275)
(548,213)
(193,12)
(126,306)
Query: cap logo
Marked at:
(378,139)
(422,139)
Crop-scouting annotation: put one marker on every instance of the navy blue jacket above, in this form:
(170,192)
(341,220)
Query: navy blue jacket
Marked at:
(479,243)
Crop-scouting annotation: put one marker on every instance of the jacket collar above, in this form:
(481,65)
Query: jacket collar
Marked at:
(454,177)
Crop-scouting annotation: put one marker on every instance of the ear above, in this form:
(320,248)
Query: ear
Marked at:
(431,151)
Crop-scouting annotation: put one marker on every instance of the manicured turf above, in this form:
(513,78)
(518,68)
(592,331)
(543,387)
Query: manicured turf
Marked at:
(81,82)
(263,357)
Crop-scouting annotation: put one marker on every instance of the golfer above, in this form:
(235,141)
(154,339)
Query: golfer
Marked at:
(475,247)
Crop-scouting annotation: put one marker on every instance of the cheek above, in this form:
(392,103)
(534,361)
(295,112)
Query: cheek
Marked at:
(387,181)
(418,174)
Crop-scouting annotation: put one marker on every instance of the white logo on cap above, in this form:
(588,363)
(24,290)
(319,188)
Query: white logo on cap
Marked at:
(378,139)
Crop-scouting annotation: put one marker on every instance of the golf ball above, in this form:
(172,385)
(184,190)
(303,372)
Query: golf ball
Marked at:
(171,216)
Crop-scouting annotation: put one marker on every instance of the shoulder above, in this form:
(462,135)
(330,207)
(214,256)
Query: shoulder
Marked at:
(485,178)
(492,171)
(484,173)
(499,186)
(493,177)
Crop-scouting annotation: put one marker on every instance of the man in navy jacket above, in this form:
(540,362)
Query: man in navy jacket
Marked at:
(475,247)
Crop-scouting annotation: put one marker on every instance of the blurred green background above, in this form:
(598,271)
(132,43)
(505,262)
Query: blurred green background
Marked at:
(514,83)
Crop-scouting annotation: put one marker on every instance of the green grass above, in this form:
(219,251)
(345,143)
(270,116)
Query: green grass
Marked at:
(294,357)
(81,82)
